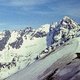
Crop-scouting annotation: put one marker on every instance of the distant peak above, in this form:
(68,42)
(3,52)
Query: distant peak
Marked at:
(68,21)
(66,17)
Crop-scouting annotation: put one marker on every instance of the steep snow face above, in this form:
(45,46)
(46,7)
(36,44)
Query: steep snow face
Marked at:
(42,31)
(44,28)
(14,36)
(63,31)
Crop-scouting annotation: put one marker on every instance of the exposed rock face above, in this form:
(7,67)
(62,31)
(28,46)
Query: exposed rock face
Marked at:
(40,34)
(17,44)
(26,30)
(4,40)
(64,70)
(68,72)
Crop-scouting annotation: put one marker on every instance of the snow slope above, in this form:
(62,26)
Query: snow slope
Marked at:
(24,55)
(37,68)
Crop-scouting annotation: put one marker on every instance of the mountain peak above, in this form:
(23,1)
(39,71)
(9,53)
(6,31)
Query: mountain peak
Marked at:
(66,17)
(67,21)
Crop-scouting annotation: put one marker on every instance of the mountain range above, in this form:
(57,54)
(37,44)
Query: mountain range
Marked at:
(19,48)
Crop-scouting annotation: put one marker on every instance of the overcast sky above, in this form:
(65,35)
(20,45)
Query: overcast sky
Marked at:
(21,13)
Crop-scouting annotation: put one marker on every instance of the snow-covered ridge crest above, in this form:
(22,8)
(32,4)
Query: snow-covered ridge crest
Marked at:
(17,37)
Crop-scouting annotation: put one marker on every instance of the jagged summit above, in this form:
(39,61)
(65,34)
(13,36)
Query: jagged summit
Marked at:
(64,30)
(67,21)
(66,17)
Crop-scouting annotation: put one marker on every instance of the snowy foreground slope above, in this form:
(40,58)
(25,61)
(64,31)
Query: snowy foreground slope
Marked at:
(36,69)
(65,68)
(25,48)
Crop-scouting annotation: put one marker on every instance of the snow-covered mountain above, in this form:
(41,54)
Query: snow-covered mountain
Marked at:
(19,48)
(62,31)
(16,38)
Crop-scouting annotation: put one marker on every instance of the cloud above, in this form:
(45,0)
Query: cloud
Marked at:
(55,8)
(23,2)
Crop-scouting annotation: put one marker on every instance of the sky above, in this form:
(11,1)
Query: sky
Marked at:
(16,14)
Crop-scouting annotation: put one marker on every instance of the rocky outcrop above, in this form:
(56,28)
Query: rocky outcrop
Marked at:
(66,68)
(27,30)
(17,44)
(5,39)
(40,34)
